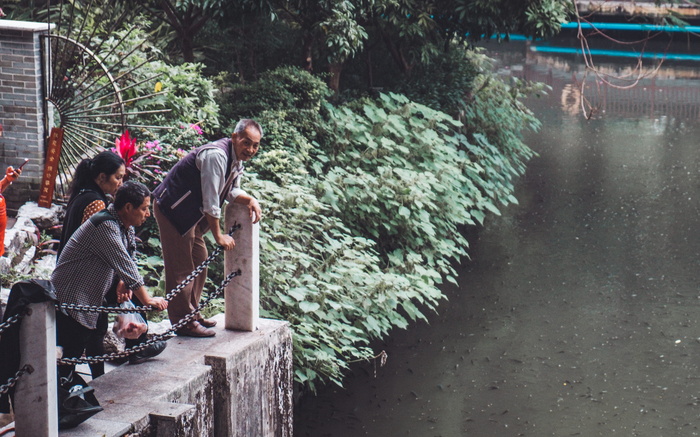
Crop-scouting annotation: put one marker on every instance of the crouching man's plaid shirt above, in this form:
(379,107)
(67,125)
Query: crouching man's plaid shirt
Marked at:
(96,253)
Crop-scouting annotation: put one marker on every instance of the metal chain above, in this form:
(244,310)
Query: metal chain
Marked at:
(140,347)
(11,321)
(144,309)
(102,309)
(164,336)
(12,381)
(200,268)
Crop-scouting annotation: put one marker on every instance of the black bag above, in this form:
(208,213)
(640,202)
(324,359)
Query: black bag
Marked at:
(76,401)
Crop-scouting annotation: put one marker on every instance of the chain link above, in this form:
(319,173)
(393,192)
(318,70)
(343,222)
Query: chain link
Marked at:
(102,309)
(200,268)
(144,309)
(12,381)
(164,336)
(11,321)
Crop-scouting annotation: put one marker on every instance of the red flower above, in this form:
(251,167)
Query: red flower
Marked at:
(126,147)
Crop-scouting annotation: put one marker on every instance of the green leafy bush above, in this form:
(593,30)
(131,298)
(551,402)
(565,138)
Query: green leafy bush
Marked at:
(286,151)
(401,174)
(326,282)
(495,118)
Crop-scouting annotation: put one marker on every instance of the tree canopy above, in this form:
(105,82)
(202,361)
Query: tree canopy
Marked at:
(324,35)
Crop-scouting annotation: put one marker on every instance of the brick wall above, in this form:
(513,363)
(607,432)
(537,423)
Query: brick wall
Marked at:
(21,110)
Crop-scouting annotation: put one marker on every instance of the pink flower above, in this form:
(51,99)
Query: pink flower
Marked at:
(196,129)
(151,144)
(126,147)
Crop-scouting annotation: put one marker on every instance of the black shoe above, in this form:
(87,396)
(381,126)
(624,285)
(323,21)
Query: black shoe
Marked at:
(150,352)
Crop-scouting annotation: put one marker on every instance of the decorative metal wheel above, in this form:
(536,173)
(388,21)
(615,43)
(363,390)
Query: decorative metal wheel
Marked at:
(84,92)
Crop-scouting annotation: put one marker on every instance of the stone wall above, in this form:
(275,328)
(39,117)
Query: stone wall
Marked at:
(21,109)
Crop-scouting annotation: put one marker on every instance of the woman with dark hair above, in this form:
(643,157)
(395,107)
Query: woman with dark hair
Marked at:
(94,179)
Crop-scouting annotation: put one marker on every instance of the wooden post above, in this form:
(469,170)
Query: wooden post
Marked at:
(242,294)
(36,393)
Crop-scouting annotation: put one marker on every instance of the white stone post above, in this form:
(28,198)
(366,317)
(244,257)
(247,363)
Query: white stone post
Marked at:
(36,393)
(243,293)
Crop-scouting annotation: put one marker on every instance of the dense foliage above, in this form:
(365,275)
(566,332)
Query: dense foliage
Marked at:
(365,191)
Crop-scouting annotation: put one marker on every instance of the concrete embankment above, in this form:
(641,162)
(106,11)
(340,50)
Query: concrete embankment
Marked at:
(234,384)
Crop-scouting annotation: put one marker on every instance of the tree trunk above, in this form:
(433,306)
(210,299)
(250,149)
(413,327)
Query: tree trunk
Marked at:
(370,74)
(187,48)
(308,52)
(397,55)
(334,81)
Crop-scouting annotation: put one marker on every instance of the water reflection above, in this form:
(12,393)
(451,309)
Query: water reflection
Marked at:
(619,88)
(578,314)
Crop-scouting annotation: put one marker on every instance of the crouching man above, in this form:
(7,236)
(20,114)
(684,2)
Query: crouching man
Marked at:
(95,259)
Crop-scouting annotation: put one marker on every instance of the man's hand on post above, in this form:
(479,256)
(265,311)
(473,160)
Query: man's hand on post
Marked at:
(226,241)
(252,204)
(254,210)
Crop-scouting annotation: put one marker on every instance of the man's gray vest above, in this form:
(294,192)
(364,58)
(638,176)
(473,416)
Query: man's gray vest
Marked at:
(179,196)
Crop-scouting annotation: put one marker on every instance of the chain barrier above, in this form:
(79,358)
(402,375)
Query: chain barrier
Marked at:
(201,267)
(164,336)
(140,347)
(144,309)
(12,381)
(11,321)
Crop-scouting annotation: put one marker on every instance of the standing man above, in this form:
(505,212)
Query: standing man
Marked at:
(97,259)
(188,204)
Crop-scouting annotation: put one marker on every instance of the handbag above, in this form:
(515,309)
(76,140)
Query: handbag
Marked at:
(76,401)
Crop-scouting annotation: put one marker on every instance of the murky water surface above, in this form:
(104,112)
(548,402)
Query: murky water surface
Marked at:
(579,313)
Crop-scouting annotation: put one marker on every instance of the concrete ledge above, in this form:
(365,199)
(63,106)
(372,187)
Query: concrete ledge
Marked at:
(174,419)
(234,384)
(28,26)
(254,387)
